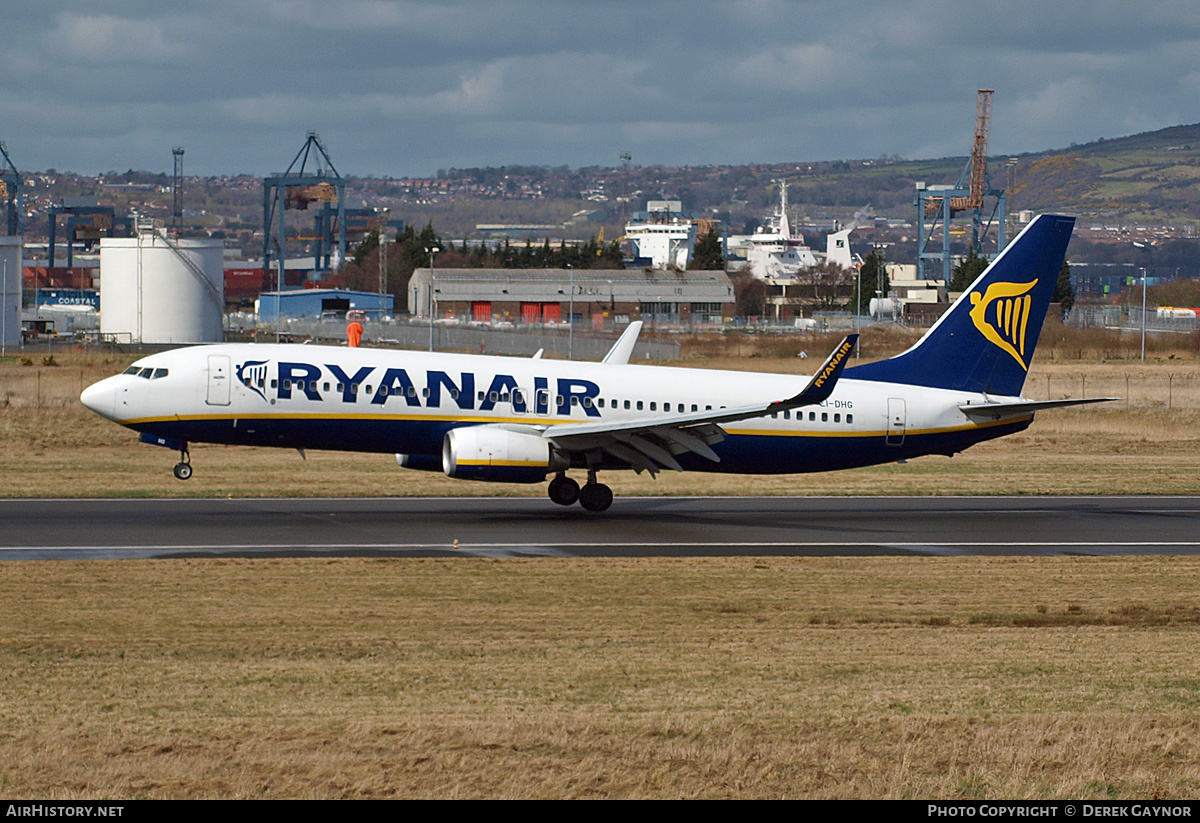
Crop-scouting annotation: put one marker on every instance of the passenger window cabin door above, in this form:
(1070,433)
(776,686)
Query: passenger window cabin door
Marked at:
(896,422)
(218,380)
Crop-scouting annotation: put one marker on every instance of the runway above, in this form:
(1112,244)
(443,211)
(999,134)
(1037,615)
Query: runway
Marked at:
(642,526)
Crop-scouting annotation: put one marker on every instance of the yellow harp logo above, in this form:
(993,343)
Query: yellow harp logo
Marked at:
(1001,315)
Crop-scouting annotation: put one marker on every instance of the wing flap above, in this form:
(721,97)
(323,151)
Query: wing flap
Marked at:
(655,452)
(684,440)
(632,456)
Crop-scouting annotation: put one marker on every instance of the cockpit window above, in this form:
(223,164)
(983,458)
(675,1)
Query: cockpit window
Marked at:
(158,373)
(131,370)
(146,373)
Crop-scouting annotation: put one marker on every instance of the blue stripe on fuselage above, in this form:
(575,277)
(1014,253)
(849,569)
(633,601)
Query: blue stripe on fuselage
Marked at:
(767,453)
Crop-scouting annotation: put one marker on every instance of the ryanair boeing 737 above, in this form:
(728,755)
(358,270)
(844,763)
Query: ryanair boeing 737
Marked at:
(521,420)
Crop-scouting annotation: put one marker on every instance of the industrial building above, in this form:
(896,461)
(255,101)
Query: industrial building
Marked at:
(313,304)
(597,297)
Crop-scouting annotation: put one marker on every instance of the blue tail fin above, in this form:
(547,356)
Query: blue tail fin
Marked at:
(984,342)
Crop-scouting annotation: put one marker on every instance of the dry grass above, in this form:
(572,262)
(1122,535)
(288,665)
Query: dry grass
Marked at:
(725,677)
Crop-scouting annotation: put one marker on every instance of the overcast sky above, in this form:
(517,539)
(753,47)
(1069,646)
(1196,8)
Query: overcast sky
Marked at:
(406,88)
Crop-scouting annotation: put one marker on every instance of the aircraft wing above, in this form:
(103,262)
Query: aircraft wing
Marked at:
(651,442)
(994,411)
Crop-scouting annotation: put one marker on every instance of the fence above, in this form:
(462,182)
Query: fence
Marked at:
(1129,319)
(1134,391)
(42,388)
(484,339)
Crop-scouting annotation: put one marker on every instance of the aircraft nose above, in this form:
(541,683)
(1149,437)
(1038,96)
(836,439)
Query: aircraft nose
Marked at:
(101,398)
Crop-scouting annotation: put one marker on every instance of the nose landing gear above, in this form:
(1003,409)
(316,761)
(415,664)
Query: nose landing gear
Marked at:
(183,469)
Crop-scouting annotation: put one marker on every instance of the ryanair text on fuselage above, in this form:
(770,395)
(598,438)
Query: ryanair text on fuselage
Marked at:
(331,381)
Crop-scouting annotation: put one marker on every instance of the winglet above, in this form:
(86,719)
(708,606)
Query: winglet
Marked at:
(621,351)
(821,385)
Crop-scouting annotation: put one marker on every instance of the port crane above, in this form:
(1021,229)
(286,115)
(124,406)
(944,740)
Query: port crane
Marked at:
(938,205)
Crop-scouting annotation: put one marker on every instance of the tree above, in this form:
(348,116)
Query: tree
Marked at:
(708,256)
(368,245)
(750,293)
(1064,292)
(409,253)
(874,280)
(969,268)
(827,286)
(1181,292)
(612,256)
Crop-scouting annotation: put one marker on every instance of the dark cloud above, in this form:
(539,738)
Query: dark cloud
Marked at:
(405,88)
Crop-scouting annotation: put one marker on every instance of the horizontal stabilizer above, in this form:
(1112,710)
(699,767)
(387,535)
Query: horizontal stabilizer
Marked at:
(994,411)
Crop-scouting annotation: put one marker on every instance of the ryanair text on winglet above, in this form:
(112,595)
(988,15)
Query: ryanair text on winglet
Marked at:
(834,362)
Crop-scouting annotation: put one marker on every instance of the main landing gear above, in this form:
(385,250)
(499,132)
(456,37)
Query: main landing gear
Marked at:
(183,469)
(595,497)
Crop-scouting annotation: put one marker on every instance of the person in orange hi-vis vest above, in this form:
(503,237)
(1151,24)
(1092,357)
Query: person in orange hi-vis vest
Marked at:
(354,334)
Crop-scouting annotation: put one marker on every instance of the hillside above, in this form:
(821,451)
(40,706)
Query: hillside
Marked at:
(1148,178)
(1144,177)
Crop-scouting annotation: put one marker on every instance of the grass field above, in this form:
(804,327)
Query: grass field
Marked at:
(537,678)
(817,678)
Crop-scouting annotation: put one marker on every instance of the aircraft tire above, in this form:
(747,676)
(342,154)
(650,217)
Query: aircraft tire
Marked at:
(183,470)
(595,497)
(563,490)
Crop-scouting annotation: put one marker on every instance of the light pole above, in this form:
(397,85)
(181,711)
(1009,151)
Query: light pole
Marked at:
(612,305)
(571,318)
(857,307)
(432,251)
(4,316)
(383,241)
(1143,314)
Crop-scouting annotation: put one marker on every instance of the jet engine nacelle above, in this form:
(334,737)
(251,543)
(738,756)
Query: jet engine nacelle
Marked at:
(420,462)
(499,455)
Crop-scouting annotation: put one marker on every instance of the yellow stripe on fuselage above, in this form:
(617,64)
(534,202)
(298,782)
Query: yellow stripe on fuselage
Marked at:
(554,421)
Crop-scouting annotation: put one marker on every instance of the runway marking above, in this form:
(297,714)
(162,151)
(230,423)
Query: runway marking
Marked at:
(546,545)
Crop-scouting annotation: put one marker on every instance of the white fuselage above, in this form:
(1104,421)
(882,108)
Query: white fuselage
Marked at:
(378,400)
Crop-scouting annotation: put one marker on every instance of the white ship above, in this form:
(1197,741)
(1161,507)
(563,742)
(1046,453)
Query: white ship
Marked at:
(662,241)
(775,255)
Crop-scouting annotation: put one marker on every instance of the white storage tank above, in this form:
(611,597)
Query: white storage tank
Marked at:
(886,308)
(10,290)
(157,290)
